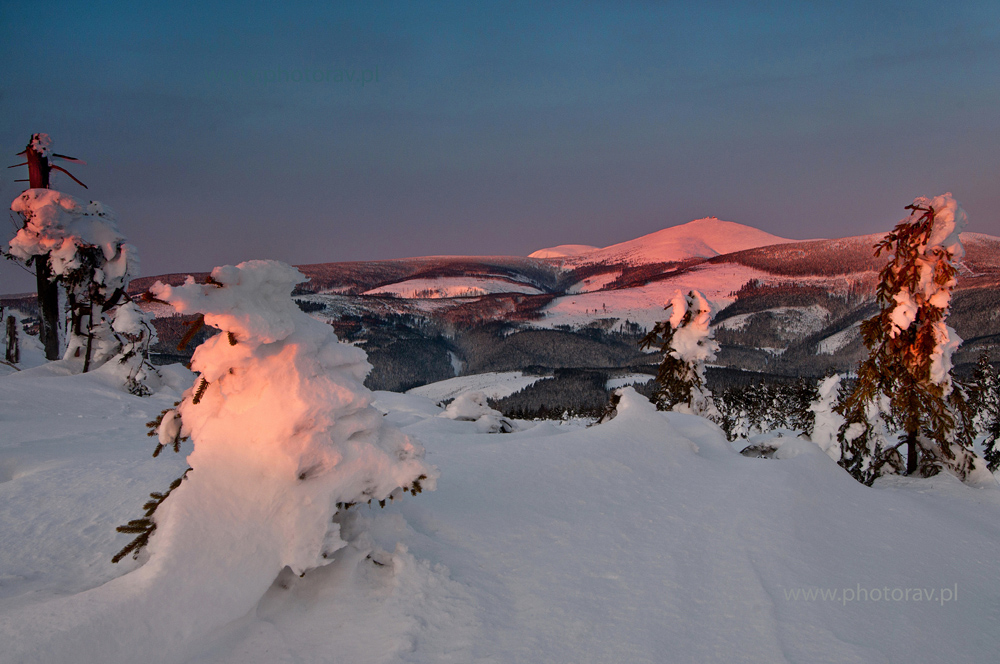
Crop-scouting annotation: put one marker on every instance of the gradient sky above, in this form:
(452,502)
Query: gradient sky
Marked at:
(498,128)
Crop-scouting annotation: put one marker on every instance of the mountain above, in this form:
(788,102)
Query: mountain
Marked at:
(784,307)
(563,251)
(701,238)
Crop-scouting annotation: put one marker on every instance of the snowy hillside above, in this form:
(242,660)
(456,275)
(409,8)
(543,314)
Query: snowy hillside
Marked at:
(645,539)
(701,238)
(794,305)
(493,385)
(562,251)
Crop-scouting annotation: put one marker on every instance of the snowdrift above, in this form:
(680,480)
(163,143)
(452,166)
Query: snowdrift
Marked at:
(644,539)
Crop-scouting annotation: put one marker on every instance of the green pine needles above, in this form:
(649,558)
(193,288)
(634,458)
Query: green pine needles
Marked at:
(144,527)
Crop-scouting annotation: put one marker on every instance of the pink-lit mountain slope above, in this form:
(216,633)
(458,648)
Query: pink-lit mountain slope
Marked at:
(701,238)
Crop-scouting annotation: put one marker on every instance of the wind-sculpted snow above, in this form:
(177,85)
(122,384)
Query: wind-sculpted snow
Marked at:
(284,436)
(645,539)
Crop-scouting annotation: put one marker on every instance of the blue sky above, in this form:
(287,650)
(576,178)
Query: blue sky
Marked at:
(498,128)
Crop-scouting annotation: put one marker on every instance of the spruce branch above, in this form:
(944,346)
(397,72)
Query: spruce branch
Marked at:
(144,527)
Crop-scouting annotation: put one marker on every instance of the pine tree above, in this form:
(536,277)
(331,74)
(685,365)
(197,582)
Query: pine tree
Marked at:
(984,402)
(905,384)
(733,407)
(826,420)
(685,340)
(280,399)
(38,157)
(80,257)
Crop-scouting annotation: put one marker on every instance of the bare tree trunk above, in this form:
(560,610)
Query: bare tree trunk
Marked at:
(48,308)
(911,452)
(90,339)
(13,350)
(48,290)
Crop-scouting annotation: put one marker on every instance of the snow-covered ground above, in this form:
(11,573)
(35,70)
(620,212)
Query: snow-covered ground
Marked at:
(594,283)
(838,340)
(644,304)
(494,384)
(795,321)
(628,379)
(644,539)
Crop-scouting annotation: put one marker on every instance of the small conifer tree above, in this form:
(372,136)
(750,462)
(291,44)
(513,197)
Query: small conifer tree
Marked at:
(81,258)
(984,401)
(685,340)
(906,384)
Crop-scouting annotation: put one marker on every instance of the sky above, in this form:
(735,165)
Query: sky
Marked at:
(351,131)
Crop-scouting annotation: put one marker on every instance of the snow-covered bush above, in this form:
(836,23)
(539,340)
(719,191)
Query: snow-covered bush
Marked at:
(92,263)
(827,421)
(685,340)
(285,436)
(906,381)
(472,407)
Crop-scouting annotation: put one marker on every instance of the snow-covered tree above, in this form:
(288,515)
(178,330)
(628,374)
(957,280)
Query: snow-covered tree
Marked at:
(78,245)
(685,339)
(473,407)
(906,381)
(985,404)
(9,338)
(285,439)
(38,157)
(827,421)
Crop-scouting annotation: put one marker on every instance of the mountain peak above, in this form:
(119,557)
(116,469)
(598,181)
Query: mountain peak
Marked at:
(701,238)
(563,251)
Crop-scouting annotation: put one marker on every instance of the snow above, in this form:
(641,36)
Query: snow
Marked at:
(31,352)
(828,421)
(59,225)
(949,221)
(456,362)
(838,340)
(644,304)
(283,435)
(796,322)
(692,343)
(92,265)
(495,385)
(942,248)
(42,144)
(701,238)
(595,283)
(472,407)
(563,251)
(445,287)
(644,539)
(628,379)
